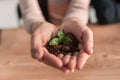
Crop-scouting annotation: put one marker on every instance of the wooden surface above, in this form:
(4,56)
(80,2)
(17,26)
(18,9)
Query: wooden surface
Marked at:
(17,64)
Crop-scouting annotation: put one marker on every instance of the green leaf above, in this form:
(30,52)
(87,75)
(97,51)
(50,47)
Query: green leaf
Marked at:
(54,41)
(66,39)
(61,34)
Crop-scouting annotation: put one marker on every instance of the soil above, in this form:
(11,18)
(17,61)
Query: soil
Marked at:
(64,48)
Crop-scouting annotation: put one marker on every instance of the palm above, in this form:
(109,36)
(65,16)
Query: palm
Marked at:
(40,39)
(84,36)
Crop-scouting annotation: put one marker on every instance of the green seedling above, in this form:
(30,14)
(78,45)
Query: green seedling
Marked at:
(66,40)
(54,41)
(61,38)
(61,34)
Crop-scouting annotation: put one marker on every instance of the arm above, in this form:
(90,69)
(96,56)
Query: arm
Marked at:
(33,18)
(75,22)
(31,14)
(78,9)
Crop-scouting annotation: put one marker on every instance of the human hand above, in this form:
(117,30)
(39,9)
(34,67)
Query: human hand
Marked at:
(39,39)
(84,36)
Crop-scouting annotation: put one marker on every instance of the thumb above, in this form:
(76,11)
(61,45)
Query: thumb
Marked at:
(88,41)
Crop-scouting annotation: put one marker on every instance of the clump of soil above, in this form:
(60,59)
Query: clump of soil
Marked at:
(68,44)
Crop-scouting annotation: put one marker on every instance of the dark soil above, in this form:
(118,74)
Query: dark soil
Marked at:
(64,48)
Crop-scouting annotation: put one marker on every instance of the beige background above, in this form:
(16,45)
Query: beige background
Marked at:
(17,64)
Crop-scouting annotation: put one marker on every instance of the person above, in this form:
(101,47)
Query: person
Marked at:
(41,18)
(108,11)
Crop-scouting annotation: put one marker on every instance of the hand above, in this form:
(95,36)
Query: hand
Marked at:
(84,36)
(38,41)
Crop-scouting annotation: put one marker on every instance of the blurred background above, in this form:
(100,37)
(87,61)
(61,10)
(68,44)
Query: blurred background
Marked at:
(16,62)
(105,13)
(9,14)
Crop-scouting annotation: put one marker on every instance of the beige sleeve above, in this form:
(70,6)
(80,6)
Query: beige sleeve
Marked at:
(31,13)
(79,9)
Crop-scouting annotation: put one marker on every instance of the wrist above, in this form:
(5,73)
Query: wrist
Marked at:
(71,19)
(35,26)
(74,21)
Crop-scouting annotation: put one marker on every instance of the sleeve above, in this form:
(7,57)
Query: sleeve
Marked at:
(31,13)
(79,9)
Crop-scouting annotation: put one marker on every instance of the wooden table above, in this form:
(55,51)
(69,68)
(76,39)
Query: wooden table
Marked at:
(17,64)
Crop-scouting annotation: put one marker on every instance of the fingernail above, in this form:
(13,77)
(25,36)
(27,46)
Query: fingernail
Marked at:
(91,50)
(80,68)
(67,71)
(72,70)
(37,55)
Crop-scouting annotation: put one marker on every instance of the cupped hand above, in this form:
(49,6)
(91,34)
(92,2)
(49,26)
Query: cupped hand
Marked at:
(39,39)
(85,38)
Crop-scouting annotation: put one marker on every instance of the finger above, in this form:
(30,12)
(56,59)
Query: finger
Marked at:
(33,51)
(39,54)
(88,41)
(72,63)
(36,49)
(82,59)
(65,69)
(66,59)
(60,56)
(51,59)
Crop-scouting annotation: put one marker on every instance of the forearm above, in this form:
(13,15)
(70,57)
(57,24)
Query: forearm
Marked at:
(31,13)
(78,9)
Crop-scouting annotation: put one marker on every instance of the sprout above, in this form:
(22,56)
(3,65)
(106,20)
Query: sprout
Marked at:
(61,38)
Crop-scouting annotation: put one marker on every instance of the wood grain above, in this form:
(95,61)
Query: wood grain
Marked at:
(17,64)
